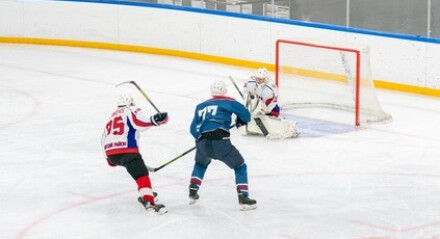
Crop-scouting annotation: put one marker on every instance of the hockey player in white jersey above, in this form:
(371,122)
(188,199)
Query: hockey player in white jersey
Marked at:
(261,96)
(120,144)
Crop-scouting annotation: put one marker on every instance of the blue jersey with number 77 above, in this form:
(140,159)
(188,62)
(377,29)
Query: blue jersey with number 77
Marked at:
(215,114)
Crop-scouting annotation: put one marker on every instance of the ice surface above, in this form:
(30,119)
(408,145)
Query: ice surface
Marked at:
(334,181)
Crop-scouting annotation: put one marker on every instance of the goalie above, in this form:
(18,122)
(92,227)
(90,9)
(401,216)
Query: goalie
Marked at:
(262,101)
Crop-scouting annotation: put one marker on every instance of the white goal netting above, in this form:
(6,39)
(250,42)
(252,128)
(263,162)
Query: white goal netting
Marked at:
(315,75)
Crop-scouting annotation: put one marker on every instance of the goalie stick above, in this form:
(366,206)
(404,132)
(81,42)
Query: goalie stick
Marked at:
(236,87)
(261,126)
(257,120)
(142,92)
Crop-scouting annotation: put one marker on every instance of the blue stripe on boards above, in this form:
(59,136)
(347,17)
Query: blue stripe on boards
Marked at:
(266,19)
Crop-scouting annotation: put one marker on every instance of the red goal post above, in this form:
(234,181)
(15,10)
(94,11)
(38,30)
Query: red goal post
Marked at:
(344,72)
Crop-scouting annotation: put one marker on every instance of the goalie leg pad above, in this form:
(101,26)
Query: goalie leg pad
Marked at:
(280,128)
(277,128)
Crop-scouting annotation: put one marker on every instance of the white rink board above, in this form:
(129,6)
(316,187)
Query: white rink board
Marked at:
(176,30)
(54,20)
(217,35)
(237,38)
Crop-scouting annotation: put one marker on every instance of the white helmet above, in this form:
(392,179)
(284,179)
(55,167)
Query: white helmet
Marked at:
(218,87)
(125,99)
(262,73)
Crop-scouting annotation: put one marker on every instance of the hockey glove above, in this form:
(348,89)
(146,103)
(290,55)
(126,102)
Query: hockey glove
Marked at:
(239,123)
(159,118)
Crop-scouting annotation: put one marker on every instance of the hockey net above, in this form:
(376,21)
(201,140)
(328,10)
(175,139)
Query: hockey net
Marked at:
(314,75)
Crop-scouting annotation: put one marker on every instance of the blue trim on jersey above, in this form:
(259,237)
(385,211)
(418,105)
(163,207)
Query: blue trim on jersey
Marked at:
(268,19)
(273,91)
(131,138)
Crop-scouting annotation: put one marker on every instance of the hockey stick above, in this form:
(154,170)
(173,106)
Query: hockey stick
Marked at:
(257,120)
(172,160)
(151,169)
(142,92)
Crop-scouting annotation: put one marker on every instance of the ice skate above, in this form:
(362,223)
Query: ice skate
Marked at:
(155,208)
(193,195)
(246,203)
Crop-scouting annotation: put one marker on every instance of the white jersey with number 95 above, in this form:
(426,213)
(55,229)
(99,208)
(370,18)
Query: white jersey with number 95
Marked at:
(122,130)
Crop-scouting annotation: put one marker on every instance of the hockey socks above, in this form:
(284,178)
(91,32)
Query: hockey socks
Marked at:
(195,182)
(144,189)
(198,174)
(241,179)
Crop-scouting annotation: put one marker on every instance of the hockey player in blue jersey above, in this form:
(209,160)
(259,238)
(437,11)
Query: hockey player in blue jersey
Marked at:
(210,128)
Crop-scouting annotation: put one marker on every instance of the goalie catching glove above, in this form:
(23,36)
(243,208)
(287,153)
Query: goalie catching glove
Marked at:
(159,118)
